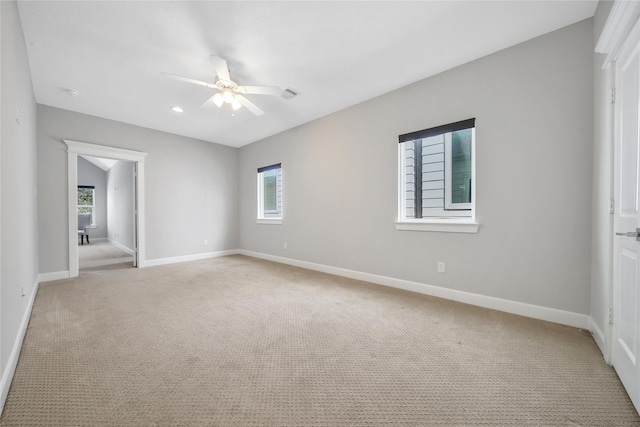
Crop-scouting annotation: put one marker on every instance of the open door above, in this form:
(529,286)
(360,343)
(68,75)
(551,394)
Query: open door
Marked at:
(626,281)
(135,215)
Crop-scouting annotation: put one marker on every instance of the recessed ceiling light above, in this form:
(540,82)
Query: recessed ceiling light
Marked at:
(177,109)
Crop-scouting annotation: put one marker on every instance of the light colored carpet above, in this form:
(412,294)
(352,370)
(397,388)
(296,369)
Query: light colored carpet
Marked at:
(237,341)
(101,253)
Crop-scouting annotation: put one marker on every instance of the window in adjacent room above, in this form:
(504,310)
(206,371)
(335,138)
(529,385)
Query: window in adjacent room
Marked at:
(270,194)
(86,201)
(436,178)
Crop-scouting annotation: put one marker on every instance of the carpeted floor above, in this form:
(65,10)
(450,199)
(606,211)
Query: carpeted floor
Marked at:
(100,254)
(237,341)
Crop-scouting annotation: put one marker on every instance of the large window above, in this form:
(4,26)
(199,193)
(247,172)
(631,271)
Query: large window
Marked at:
(86,201)
(436,174)
(270,193)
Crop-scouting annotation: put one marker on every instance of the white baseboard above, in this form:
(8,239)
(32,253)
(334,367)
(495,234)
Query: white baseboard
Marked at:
(121,246)
(7,376)
(568,318)
(56,275)
(600,339)
(185,258)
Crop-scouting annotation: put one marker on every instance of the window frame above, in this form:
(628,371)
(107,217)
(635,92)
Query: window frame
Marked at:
(93,207)
(261,218)
(453,221)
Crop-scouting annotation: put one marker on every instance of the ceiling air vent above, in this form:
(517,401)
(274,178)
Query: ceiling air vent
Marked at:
(289,93)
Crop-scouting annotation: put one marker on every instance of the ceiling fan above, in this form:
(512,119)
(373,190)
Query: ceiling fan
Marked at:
(229,91)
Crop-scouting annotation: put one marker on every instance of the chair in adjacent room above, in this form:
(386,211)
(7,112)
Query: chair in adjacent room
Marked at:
(84,225)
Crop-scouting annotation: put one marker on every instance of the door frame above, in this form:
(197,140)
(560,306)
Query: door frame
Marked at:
(76,148)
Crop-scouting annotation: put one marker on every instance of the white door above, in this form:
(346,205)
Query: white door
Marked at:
(135,214)
(626,330)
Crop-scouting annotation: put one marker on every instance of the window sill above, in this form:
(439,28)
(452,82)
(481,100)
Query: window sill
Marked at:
(444,226)
(269,221)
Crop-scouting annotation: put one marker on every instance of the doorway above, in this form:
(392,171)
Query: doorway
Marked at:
(106,205)
(136,159)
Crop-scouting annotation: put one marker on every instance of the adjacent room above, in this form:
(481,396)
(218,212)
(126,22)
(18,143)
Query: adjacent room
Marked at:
(320,213)
(105,206)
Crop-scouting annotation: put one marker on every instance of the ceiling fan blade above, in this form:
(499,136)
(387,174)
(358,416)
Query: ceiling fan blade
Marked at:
(188,80)
(209,102)
(222,68)
(260,90)
(249,105)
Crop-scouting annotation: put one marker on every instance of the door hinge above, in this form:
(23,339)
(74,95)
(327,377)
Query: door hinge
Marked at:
(613,95)
(612,206)
(611,316)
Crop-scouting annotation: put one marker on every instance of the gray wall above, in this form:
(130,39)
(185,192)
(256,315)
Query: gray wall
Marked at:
(533,105)
(120,203)
(90,174)
(19,225)
(191,186)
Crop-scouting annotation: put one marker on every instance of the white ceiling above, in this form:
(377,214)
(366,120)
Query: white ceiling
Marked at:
(336,54)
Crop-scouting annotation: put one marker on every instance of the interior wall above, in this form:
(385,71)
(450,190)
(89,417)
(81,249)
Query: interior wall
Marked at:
(533,105)
(18,207)
(90,174)
(602,222)
(120,204)
(190,185)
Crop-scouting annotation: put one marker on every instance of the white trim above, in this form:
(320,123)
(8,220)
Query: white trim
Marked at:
(121,246)
(75,148)
(576,320)
(54,275)
(268,221)
(600,339)
(104,151)
(186,258)
(1,140)
(72,182)
(7,376)
(622,17)
(445,226)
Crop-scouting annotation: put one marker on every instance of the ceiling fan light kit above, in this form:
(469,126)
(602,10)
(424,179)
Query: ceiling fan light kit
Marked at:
(229,92)
(217,99)
(227,96)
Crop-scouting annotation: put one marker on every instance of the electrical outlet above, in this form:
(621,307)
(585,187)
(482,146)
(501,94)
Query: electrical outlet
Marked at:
(205,242)
(285,246)
(441,267)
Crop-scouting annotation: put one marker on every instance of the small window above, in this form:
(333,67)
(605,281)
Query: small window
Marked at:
(86,201)
(270,193)
(436,174)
